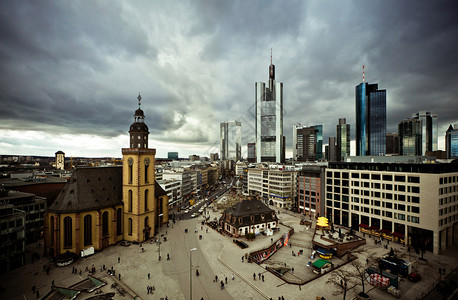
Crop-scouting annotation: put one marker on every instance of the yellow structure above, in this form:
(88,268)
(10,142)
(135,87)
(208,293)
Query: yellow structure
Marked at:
(101,206)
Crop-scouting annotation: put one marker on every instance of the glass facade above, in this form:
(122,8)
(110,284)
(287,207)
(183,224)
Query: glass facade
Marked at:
(343,140)
(418,134)
(451,142)
(370,120)
(231,140)
(307,143)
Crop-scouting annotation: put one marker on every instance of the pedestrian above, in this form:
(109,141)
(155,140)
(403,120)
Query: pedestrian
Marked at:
(119,259)
(292,270)
(52,283)
(149,275)
(216,278)
(147,289)
(168,257)
(262,278)
(259,275)
(119,275)
(254,276)
(225,279)
(166,295)
(367,261)
(232,276)
(242,258)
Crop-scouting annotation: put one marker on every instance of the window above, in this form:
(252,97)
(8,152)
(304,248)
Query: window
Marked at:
(415,209)
(354,175)
(415,219)
(415,199)
(387,177)
(414,179)
(416,189)
(130,173)
(146,173)
(401,207)
(87,230)
(401,217)
(375,176)
(130,226)
(400,178)
(146,199)
(365,176)
(67,232)
(105,223)
(130,201)
(388,214)
(388,205)
(119,221)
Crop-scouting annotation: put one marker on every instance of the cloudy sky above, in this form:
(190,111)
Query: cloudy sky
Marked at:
(71,70)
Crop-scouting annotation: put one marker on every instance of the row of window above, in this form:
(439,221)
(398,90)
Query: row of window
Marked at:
(447,180)
(387,214)
(447,210)
(374,176)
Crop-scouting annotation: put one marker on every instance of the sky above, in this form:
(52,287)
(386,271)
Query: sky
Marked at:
(71,71)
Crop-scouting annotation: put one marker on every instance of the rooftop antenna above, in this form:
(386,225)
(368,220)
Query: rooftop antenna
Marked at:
(270,55)
(363,73)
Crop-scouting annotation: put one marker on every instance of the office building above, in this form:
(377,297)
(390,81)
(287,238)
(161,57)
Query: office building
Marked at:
(251,152)
(343,140)
(172,155)
(214,156)
(451,141)
(12,238)
(231,140)
(418,134)
(269,120)
(370,120)
(307,142)
(332,149)
(410,203)
(311,190)
(392,144)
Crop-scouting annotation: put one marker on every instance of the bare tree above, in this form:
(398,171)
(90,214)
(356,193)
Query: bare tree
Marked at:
(341,280)
(359,272)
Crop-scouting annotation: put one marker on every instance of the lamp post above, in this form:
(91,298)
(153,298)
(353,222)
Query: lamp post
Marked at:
(190,272)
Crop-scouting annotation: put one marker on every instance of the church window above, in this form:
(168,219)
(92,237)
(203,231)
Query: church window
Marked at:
(130,174)
(146,173)
(130,201)
(105,223)
(146,199)
(67,232)
(138,145)
(119,221)
(138,137)
(146,222)
(130,226)
(87,230)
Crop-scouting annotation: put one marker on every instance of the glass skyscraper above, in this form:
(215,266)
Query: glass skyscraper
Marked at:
(451,141)
(418,134)
(370,120)
(307,143)
(231,140)
(269,120)
(343,140)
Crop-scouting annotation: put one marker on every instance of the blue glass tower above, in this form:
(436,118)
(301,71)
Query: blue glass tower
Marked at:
(370,120)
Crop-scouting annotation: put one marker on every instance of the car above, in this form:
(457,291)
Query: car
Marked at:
(414,277)
(125,243)
(186,211)
(194,215)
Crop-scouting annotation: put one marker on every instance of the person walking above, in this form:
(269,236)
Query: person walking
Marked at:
(225,279)
(262,278)
(216,278)
(292,270)
(259,275)
(119,259)
(119,275)
(149,275)
(232,276)
(254,276)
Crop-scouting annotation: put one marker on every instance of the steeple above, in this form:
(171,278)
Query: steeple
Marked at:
(139,130)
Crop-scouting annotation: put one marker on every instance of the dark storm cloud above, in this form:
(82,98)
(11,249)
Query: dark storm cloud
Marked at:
(77,67)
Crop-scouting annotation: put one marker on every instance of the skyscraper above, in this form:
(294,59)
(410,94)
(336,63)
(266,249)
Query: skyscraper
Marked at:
(343,140)
(332,149)
(451,141)
(370,120)
(251,152)
(392,143)
(269,119)
(307,142)
(231,140)
(418,134)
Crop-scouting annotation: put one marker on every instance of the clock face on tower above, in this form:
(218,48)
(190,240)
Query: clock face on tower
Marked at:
(147,161)
(130,161)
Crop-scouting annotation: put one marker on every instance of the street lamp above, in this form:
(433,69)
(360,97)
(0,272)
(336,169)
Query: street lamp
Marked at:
(190,272)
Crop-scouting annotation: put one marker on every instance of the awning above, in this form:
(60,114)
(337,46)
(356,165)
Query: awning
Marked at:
(374,228)
(324,251)
(319,263)
(398,234)
(363,225)
(385,231)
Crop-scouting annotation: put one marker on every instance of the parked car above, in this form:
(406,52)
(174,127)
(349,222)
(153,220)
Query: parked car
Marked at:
(414,277)
(194,215)
(125,243)
(186,211)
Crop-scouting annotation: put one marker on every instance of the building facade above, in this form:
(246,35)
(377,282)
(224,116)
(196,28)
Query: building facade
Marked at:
(343,139)
(413,203)
(392,144)
(251,152)
(231,140)
(311,186)
(451,141)
(418,134)
(12,238)
(370,120)
(332,149)
(172,155)
(270,145)
(307,143)
(60,160)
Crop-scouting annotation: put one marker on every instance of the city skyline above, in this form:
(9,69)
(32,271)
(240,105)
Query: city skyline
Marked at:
(72,86)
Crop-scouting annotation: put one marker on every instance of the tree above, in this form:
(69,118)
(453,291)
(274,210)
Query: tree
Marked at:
(341,280)
(359,273)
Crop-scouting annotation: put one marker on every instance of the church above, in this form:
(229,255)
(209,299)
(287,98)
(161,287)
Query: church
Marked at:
(101,206)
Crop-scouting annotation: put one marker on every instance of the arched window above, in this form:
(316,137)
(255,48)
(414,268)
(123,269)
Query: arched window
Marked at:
(146,173)
(119,221)
(105,223)
(130,226)
(130,173)
(87,230)
(146,199)
(130,201)
(67,232)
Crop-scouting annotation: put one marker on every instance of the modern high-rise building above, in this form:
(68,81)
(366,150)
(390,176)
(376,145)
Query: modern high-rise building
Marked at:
(231,140)
(418,134)
(172,155)
(269,119)
(343,139)
(370,120)
(307,142)
(392,143)
(251,151)
(332,149)
(451,141)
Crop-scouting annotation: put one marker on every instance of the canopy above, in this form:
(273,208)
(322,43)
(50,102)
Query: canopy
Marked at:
(319,263)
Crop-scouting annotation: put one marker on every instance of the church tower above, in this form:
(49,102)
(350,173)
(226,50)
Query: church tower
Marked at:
(138,180)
